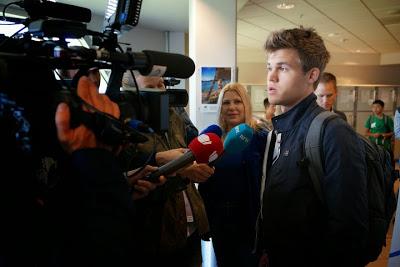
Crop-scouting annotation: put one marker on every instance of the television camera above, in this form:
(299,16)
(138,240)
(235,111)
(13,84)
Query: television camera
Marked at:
(28,61)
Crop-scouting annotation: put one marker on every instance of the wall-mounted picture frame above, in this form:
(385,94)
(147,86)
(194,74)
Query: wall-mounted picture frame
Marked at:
(213,79)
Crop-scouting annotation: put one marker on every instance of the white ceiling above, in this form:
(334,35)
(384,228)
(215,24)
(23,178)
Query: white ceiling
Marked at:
(369,27)
(359,31)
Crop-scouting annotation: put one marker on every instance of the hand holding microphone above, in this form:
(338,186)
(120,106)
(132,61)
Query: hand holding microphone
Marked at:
(142,187)
(197,172)
(203,149)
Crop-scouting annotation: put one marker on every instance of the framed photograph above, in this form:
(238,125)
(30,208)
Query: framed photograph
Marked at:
(213,79)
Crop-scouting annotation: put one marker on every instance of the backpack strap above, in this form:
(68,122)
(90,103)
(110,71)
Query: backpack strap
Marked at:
(312,148)
(384,117)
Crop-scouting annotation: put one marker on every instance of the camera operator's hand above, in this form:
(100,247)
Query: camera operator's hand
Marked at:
(82,137)
(143,187)
(164,157)
(196,172)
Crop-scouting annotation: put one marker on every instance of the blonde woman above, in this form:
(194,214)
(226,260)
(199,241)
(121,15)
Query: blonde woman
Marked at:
(231,195)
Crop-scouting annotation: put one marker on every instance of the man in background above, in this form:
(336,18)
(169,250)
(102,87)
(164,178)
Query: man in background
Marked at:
(269,109)
(326,93)
(379,127)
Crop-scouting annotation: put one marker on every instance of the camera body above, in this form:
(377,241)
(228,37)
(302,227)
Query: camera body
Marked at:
(44,56)
(154,105)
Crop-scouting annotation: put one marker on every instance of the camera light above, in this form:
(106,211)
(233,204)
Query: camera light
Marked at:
(111,8)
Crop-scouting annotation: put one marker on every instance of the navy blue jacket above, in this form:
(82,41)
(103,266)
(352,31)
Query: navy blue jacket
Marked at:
(297,229)
(238,186)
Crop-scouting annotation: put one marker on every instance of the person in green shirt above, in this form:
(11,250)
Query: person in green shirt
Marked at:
(379,127)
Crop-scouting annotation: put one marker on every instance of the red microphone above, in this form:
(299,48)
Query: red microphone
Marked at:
(204,149)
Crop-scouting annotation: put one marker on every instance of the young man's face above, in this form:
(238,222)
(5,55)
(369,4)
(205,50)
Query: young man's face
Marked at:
(377,109)
(326,95)
(287,83)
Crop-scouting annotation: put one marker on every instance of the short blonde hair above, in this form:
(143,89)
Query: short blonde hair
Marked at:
(248,111)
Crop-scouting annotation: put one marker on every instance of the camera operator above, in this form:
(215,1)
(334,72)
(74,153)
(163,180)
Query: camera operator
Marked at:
(172,218)
(92,207)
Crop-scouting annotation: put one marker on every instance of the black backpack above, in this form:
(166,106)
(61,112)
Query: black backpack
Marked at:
(380,180)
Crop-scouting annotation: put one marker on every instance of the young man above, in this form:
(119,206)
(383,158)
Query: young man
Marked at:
(326,93)
(295,227)
(379,127)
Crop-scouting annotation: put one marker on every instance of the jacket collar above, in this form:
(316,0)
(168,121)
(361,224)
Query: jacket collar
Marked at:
(290,119)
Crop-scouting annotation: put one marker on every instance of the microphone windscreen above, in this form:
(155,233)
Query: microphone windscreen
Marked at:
(238,138)
(168,64)
(213,128)
(206,147)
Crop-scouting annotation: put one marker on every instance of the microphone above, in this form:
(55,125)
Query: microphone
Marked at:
(150,63)
(213,128)
(43,8)
(204,149)
(140,126)
(237,139)
(168,64)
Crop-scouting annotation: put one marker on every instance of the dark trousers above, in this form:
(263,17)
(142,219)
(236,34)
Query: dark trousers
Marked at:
(233,237)
(188,256)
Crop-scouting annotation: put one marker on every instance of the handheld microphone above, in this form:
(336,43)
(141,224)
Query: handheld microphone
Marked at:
(43,8)
(237,139)
(213,128)
(204,149)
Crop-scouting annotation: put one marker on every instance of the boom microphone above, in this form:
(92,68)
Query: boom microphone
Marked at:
(151,63)
(42,8)
(168,64)
(204,149)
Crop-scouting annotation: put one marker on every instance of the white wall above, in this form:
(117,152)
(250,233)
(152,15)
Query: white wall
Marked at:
(143,39)
(212,43)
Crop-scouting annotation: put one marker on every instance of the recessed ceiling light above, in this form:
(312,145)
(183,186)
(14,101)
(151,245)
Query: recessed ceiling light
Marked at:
(333,34)
(350,63)
(285,6)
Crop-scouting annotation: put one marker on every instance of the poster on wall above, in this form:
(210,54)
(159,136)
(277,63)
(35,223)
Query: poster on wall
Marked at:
(213,79)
